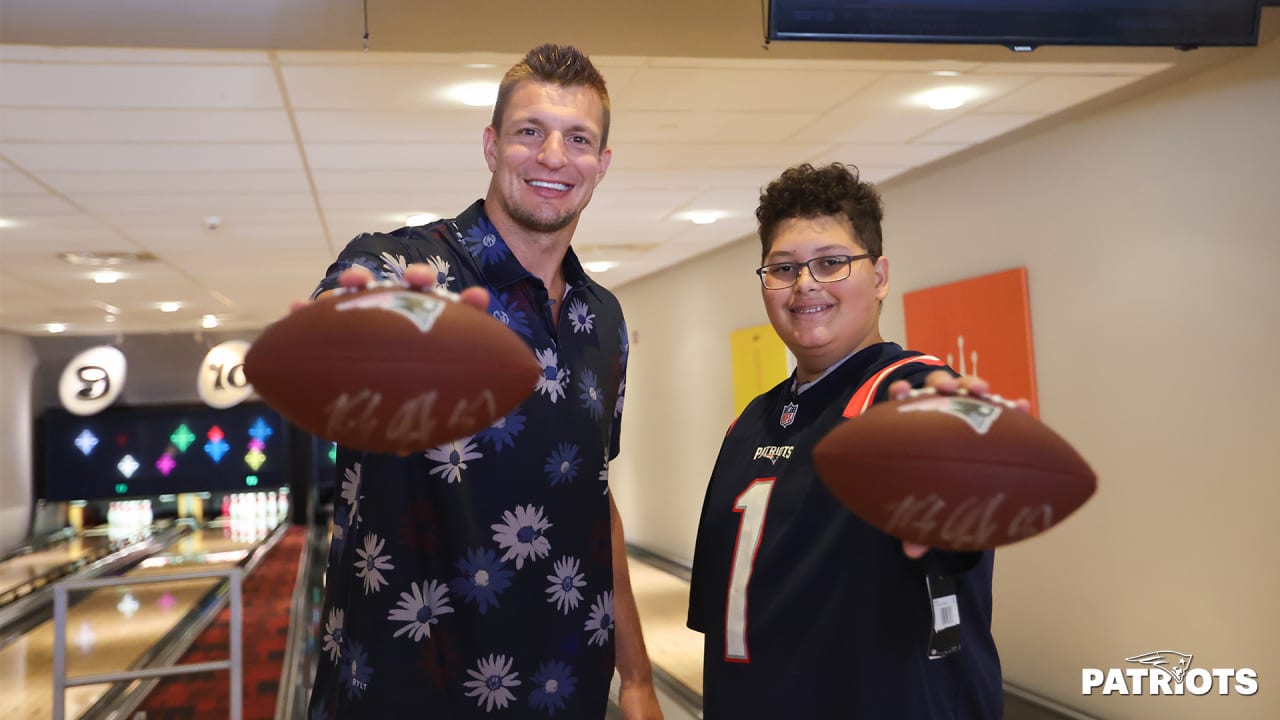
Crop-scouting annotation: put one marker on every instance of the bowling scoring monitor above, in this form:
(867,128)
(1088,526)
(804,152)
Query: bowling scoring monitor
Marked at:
(153,450)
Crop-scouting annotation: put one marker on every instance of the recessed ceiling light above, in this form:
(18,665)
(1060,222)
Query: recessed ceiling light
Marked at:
(208,322)
(55,328)
(7,223)
(106,277)
(109,318)
(475,94)
(703,217)
(945,73)
(599,266)
(946,98)
(420,219)
(169,307)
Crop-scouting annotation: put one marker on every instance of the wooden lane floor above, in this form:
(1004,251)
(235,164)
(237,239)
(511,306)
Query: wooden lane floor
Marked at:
(108,629)
(26,567)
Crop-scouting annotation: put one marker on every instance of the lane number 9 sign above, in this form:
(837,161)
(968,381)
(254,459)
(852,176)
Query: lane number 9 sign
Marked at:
(92,380)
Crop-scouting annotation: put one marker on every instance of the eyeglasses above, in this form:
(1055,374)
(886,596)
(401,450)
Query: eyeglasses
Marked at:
(829,268)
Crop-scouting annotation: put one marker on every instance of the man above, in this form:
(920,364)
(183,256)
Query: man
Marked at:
(489,576)
(807,611)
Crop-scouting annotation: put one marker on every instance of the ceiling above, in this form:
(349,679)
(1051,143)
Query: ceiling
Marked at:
(126,126)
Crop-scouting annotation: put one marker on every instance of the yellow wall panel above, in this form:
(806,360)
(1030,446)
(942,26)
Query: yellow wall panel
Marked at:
(759,363)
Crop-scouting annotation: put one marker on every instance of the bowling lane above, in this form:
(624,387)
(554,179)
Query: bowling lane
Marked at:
(27,567)
(109,629)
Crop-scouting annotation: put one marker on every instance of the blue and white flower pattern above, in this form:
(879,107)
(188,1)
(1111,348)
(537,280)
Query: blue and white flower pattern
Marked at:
(493,678)
(421,609)
(393,265)
(565,583)
(443,278)
(502,433)
(562,464)
(552,685)
(355,672)
(589,394)
(580,317)
(483,243)
(521,534)
(507,309)
(333,638)
(372,562)
(553,380)
(483,578)
(453,458)
(600,622)
(351,493)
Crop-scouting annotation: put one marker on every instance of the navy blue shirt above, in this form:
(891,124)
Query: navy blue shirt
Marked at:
(476,579)
(806,610)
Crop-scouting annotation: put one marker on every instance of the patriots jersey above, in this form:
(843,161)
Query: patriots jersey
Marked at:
(806,610)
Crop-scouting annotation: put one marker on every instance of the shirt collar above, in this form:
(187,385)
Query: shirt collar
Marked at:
(491,252)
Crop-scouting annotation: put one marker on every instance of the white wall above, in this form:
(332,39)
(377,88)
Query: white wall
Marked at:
(1150,236)
(17,369)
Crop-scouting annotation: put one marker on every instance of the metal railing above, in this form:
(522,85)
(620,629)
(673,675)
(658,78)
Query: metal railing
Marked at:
(234,663)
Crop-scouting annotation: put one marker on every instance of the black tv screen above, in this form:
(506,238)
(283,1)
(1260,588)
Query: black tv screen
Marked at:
(1020,25)
(146,451)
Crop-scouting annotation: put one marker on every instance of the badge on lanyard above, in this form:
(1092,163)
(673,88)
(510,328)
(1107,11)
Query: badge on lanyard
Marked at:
(945,638)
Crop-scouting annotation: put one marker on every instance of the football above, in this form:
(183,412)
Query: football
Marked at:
(392,370)
(955,472)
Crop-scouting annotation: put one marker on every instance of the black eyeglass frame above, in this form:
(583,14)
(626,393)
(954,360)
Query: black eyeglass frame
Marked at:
(848,266)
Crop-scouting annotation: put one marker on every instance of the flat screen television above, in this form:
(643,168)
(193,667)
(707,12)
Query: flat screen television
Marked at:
(1020,25)
(144,451)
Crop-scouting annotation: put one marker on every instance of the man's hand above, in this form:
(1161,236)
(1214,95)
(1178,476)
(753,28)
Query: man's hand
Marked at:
(418,276)
(944,383)
(638,702)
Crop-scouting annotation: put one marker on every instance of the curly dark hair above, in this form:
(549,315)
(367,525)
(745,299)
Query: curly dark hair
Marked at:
(562,65)
(808,192)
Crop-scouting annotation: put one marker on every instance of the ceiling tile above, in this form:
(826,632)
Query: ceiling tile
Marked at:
(138,86)
(349,126)
(81,125)
(40,157)
(264,181)
(363,86)
(652,126)
(738,89)
(394,156)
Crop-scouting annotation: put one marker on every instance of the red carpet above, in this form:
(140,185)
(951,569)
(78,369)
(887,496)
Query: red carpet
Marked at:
(266,596)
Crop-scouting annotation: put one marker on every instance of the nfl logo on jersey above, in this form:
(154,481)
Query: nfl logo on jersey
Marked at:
(788,414)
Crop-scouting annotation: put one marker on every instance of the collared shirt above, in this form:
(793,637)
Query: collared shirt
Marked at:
(475,579)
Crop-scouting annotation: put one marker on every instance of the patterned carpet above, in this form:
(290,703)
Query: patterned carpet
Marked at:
(266,597)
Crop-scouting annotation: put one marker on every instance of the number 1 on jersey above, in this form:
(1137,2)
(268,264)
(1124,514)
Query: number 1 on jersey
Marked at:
(752,503)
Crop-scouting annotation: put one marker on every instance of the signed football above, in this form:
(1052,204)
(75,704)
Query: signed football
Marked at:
(388,369)
(956,472)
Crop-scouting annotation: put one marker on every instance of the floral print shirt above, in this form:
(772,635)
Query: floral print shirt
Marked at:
(475,579)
